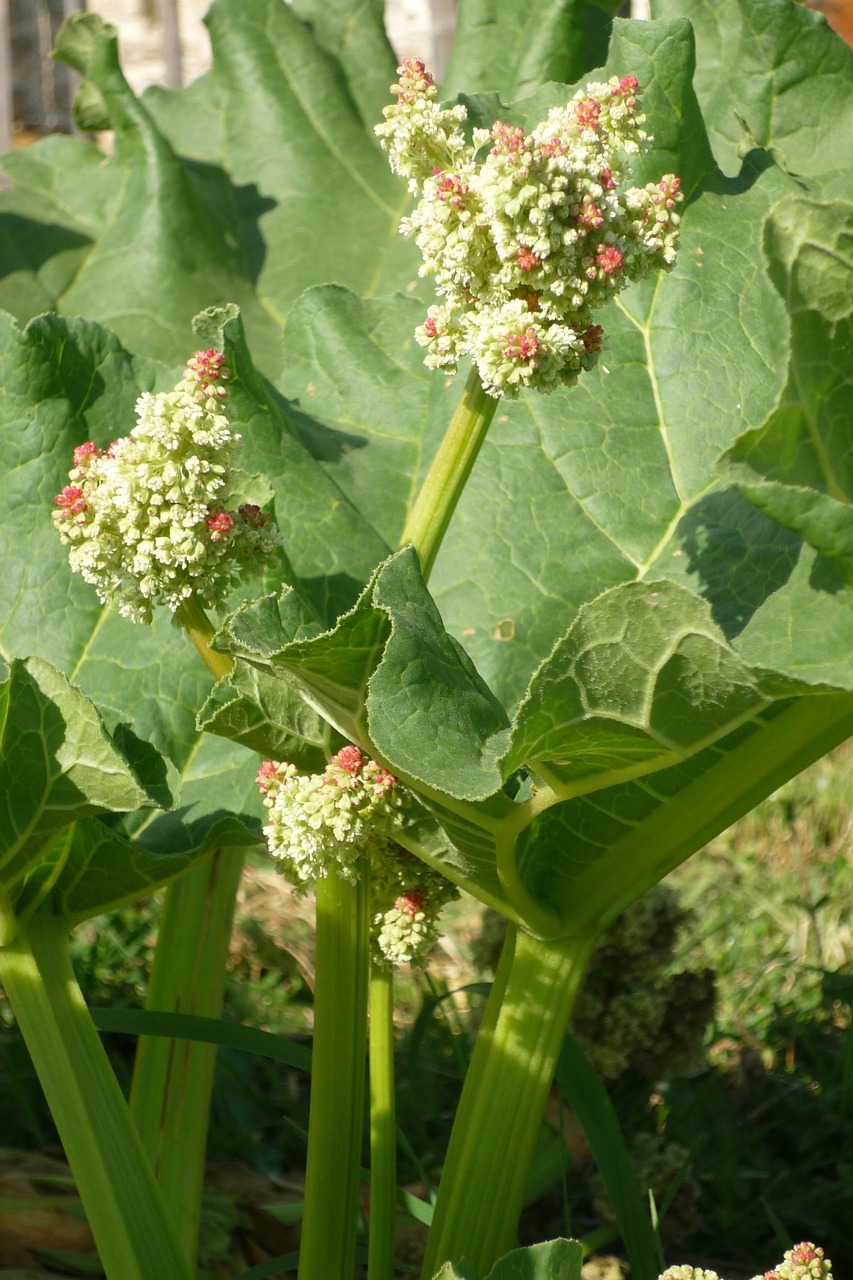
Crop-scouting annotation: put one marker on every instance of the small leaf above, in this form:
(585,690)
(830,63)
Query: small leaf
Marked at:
(549,1260)
(457,1271)
(268,715)
(58,765)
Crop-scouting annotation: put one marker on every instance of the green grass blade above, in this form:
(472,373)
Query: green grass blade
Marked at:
(184,1026)
(588,1099)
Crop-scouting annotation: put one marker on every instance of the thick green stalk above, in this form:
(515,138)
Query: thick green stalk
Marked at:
(333,1171)
(192,617)
(383,1125)
(132,1230)
(173,1079)
(503,1100)
(449,472)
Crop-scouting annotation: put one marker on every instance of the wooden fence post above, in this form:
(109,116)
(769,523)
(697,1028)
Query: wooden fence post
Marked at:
(167,16)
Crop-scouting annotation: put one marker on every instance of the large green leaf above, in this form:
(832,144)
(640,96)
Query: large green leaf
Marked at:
(354,34)
(771,74)
(609,469)
(161,245)
(146,239)
(513,48)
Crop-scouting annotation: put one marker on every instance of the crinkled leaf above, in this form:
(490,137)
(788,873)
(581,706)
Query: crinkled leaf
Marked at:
(270,716)
(390,676)
(641,679)
(59,764)
(771,74)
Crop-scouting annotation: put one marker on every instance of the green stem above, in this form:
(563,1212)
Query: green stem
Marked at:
(383,1125)
(192,617)
(132,1230)
(503,1100)
(448,475)
(173,1079)
(332,1175)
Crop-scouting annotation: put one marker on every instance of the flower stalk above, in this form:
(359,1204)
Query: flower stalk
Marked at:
(452,465)
(333,1170)
(383,1134)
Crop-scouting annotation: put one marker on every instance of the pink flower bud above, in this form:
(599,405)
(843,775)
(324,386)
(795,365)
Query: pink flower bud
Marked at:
(587,113)
(348,758)
(521,347)
(267,774)
(219,525)
(71,501)
(609,259)
(85,454)
(412,902)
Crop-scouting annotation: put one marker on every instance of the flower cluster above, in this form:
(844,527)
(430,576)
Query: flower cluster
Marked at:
(406,931)
(324,823)
(146,520)
(804,1262)
(526,243)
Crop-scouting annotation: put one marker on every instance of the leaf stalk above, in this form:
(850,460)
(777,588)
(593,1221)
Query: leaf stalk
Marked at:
(503,1100)
(133,1232)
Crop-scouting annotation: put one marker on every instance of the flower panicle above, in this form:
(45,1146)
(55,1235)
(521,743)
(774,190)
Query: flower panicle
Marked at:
(324,824)
(149,520)
(525,235)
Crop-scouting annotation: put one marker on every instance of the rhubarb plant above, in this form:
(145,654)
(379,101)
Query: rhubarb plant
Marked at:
(583,627)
